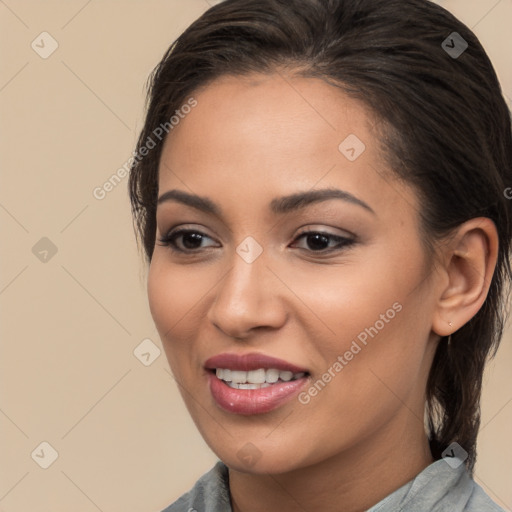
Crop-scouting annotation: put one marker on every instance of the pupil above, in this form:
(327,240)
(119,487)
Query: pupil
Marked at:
(194,236)
(316,244)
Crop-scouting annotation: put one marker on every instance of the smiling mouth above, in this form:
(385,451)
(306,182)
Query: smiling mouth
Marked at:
(255,379)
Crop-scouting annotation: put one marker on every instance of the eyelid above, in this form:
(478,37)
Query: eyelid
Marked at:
(306,229)
(173,233)
(343,242)
(322,228)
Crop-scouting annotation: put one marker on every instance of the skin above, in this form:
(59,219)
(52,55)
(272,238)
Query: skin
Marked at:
(248,141)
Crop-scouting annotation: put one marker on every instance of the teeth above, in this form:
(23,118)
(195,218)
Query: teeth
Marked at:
(256,376)
(286,376)
(238,376)
(255,379)
(272,375)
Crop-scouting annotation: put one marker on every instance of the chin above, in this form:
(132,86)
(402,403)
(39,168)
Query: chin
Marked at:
(256,461)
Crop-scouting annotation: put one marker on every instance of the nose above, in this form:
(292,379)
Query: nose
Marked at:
(248,298)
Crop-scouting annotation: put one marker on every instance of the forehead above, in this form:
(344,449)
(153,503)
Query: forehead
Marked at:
(278,103)
(273,132)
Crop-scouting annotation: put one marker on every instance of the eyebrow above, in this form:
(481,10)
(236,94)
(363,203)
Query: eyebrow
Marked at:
(279,205)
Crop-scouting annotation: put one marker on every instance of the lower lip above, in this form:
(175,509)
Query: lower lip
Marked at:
(253,401)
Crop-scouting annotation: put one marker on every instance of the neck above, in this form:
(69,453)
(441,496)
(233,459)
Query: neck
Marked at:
(353,480)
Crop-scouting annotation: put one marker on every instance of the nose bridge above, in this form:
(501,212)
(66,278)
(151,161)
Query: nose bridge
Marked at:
(245,298)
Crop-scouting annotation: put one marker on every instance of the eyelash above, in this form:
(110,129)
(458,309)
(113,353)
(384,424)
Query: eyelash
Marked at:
(169,241)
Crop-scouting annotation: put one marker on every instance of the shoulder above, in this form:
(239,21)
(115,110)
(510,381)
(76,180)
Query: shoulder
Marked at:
(441,487)
(480,501)
(210,493)
(448,486)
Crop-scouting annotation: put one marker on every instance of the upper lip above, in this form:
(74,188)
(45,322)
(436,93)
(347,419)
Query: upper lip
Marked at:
(248,362)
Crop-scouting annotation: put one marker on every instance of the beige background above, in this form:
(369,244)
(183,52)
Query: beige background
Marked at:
(70,325)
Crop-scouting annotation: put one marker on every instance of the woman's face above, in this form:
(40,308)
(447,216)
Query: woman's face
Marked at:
(350,304)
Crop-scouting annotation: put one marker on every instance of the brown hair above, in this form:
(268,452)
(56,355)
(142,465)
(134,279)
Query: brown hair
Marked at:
(448,134)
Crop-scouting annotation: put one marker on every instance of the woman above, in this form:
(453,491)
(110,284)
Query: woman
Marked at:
(319,188)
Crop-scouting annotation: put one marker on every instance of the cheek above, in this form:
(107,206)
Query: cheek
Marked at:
(370,385)
(385,361)
(341,301)
(172,297)
(378,325)
(173,293)
(160,298)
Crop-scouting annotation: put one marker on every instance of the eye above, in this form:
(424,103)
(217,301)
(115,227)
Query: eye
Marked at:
(319,241)
(191,240)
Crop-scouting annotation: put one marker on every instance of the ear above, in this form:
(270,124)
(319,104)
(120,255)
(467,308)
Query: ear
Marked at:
(469,260)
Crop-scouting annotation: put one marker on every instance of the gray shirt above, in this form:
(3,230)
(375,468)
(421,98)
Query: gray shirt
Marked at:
(438,488)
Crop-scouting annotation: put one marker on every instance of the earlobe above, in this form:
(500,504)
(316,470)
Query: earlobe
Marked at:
(470,260)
